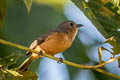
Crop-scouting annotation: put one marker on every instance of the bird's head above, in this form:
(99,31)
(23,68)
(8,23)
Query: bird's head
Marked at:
(69,26)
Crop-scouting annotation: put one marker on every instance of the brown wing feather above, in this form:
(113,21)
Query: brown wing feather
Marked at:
(39,41)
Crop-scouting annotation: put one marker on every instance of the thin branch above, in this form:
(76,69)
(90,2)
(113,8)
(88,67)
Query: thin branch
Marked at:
(100,55)
(57,59)
(107,73)
(64,61)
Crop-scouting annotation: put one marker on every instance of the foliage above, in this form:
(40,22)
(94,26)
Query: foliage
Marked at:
(104,14)
(28,4)
(2,11)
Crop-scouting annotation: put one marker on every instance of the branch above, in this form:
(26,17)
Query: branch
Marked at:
(64,61)
(107,73)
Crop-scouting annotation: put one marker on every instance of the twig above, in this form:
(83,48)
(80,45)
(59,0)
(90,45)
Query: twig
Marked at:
(100,55)
(107,73)
(57,59)
(64,61)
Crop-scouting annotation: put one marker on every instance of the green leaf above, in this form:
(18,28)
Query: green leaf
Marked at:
(6,74)
(112,41)
(57,4)
(27,75)
(103,16)
(52,2)
(28,4)
(9,60)
(100,76)
(12,74)
(2,11)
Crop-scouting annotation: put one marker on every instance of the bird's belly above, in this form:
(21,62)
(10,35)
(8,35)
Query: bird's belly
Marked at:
(55,46)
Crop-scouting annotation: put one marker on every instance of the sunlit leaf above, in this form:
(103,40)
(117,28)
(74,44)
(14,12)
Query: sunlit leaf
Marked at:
(113,42)
(99,76)
(13,72)
(2,11)
(57,4)
(115,2)
(9,60)
(6,74)
(52,2)
(27,75)
(4,63)
(28,4)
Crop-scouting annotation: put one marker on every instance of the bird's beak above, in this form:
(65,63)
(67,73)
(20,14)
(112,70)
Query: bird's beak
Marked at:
(79,25)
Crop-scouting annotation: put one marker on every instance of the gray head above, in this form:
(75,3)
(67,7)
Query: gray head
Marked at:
(70,29)
(69,25)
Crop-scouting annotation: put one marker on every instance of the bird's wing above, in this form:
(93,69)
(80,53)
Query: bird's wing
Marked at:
(40,40)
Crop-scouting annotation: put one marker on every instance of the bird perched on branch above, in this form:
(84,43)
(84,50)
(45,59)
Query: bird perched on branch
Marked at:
(52,42)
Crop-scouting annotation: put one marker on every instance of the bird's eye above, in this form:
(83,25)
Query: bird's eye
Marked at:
(71,24)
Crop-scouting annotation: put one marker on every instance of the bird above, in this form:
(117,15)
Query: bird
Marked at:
(52,42)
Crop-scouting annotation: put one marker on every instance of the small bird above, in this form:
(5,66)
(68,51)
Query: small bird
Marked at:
(52,42)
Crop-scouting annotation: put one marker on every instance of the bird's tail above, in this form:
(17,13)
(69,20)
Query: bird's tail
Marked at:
(26,63)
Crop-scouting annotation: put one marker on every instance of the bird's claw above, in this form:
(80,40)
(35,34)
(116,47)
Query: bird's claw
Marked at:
(40,53)
(60,60)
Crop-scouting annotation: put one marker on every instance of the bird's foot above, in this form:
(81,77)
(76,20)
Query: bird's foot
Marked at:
(40,54)
(60,60)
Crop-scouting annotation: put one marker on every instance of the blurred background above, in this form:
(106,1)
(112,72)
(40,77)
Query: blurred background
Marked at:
(22,28)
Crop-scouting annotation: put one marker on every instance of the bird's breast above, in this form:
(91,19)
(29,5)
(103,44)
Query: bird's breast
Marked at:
(57,43)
